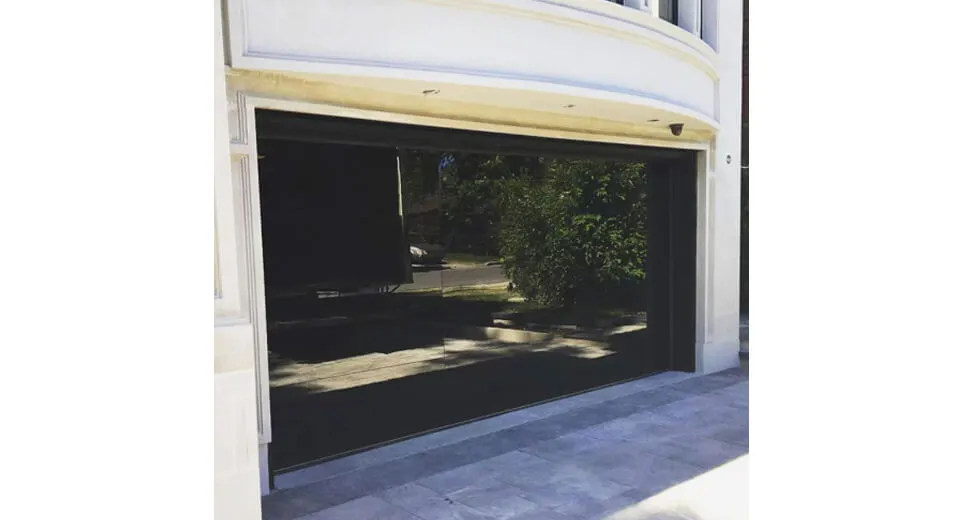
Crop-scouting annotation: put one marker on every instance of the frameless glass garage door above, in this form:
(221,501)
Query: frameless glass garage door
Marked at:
(413,285)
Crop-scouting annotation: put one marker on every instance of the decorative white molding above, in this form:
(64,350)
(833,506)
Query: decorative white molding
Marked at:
(246,186)
(328,109)
(237,117)
(250,251)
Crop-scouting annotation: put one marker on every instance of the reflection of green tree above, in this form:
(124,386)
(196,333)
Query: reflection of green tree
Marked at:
(472,187)
(578,235)
(569,231)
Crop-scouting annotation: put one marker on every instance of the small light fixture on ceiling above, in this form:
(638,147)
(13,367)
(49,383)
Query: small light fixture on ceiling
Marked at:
(653,120)
(431,91)
(569,106)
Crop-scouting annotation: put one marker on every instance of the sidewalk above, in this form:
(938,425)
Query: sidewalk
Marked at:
(657,447)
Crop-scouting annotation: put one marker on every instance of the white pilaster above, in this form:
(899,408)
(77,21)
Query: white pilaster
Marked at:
(720,204)
(237,466)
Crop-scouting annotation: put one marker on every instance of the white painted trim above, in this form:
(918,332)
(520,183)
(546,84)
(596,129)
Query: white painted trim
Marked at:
(355,68)
(246,183)
(393,117)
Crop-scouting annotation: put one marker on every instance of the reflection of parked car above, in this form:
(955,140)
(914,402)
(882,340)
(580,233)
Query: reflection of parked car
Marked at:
(427,254)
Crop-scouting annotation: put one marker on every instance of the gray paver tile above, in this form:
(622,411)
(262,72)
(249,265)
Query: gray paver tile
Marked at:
(700,413)
(494,498)
(554,485)
(642,427)
(631,466)
(288,506)
(456,479)
(602,455)
(566,447)
(709,383)
(543,514)
(428,504)
(699,451)
(365,508)
(483,471)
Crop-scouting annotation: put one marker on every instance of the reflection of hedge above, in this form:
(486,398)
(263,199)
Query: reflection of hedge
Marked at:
(576,236)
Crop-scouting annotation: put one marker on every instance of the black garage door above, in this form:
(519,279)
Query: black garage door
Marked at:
(418,277)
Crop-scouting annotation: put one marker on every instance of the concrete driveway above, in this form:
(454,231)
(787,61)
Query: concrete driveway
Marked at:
(670,446)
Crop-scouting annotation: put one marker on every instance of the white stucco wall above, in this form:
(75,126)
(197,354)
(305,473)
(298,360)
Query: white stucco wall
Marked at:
(318,73)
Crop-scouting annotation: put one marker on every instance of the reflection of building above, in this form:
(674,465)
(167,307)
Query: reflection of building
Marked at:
(579,70)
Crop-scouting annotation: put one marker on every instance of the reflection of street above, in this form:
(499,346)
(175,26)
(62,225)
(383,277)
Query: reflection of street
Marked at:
(455,276)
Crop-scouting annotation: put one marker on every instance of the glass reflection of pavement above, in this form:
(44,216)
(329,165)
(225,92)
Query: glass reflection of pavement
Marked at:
(378,367)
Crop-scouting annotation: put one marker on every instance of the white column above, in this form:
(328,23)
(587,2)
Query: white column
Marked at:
(688,16)
(719,295)
(236,451)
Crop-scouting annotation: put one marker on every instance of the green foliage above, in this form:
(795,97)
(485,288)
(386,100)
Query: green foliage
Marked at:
(569,231)
(577,235)
(472,187)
